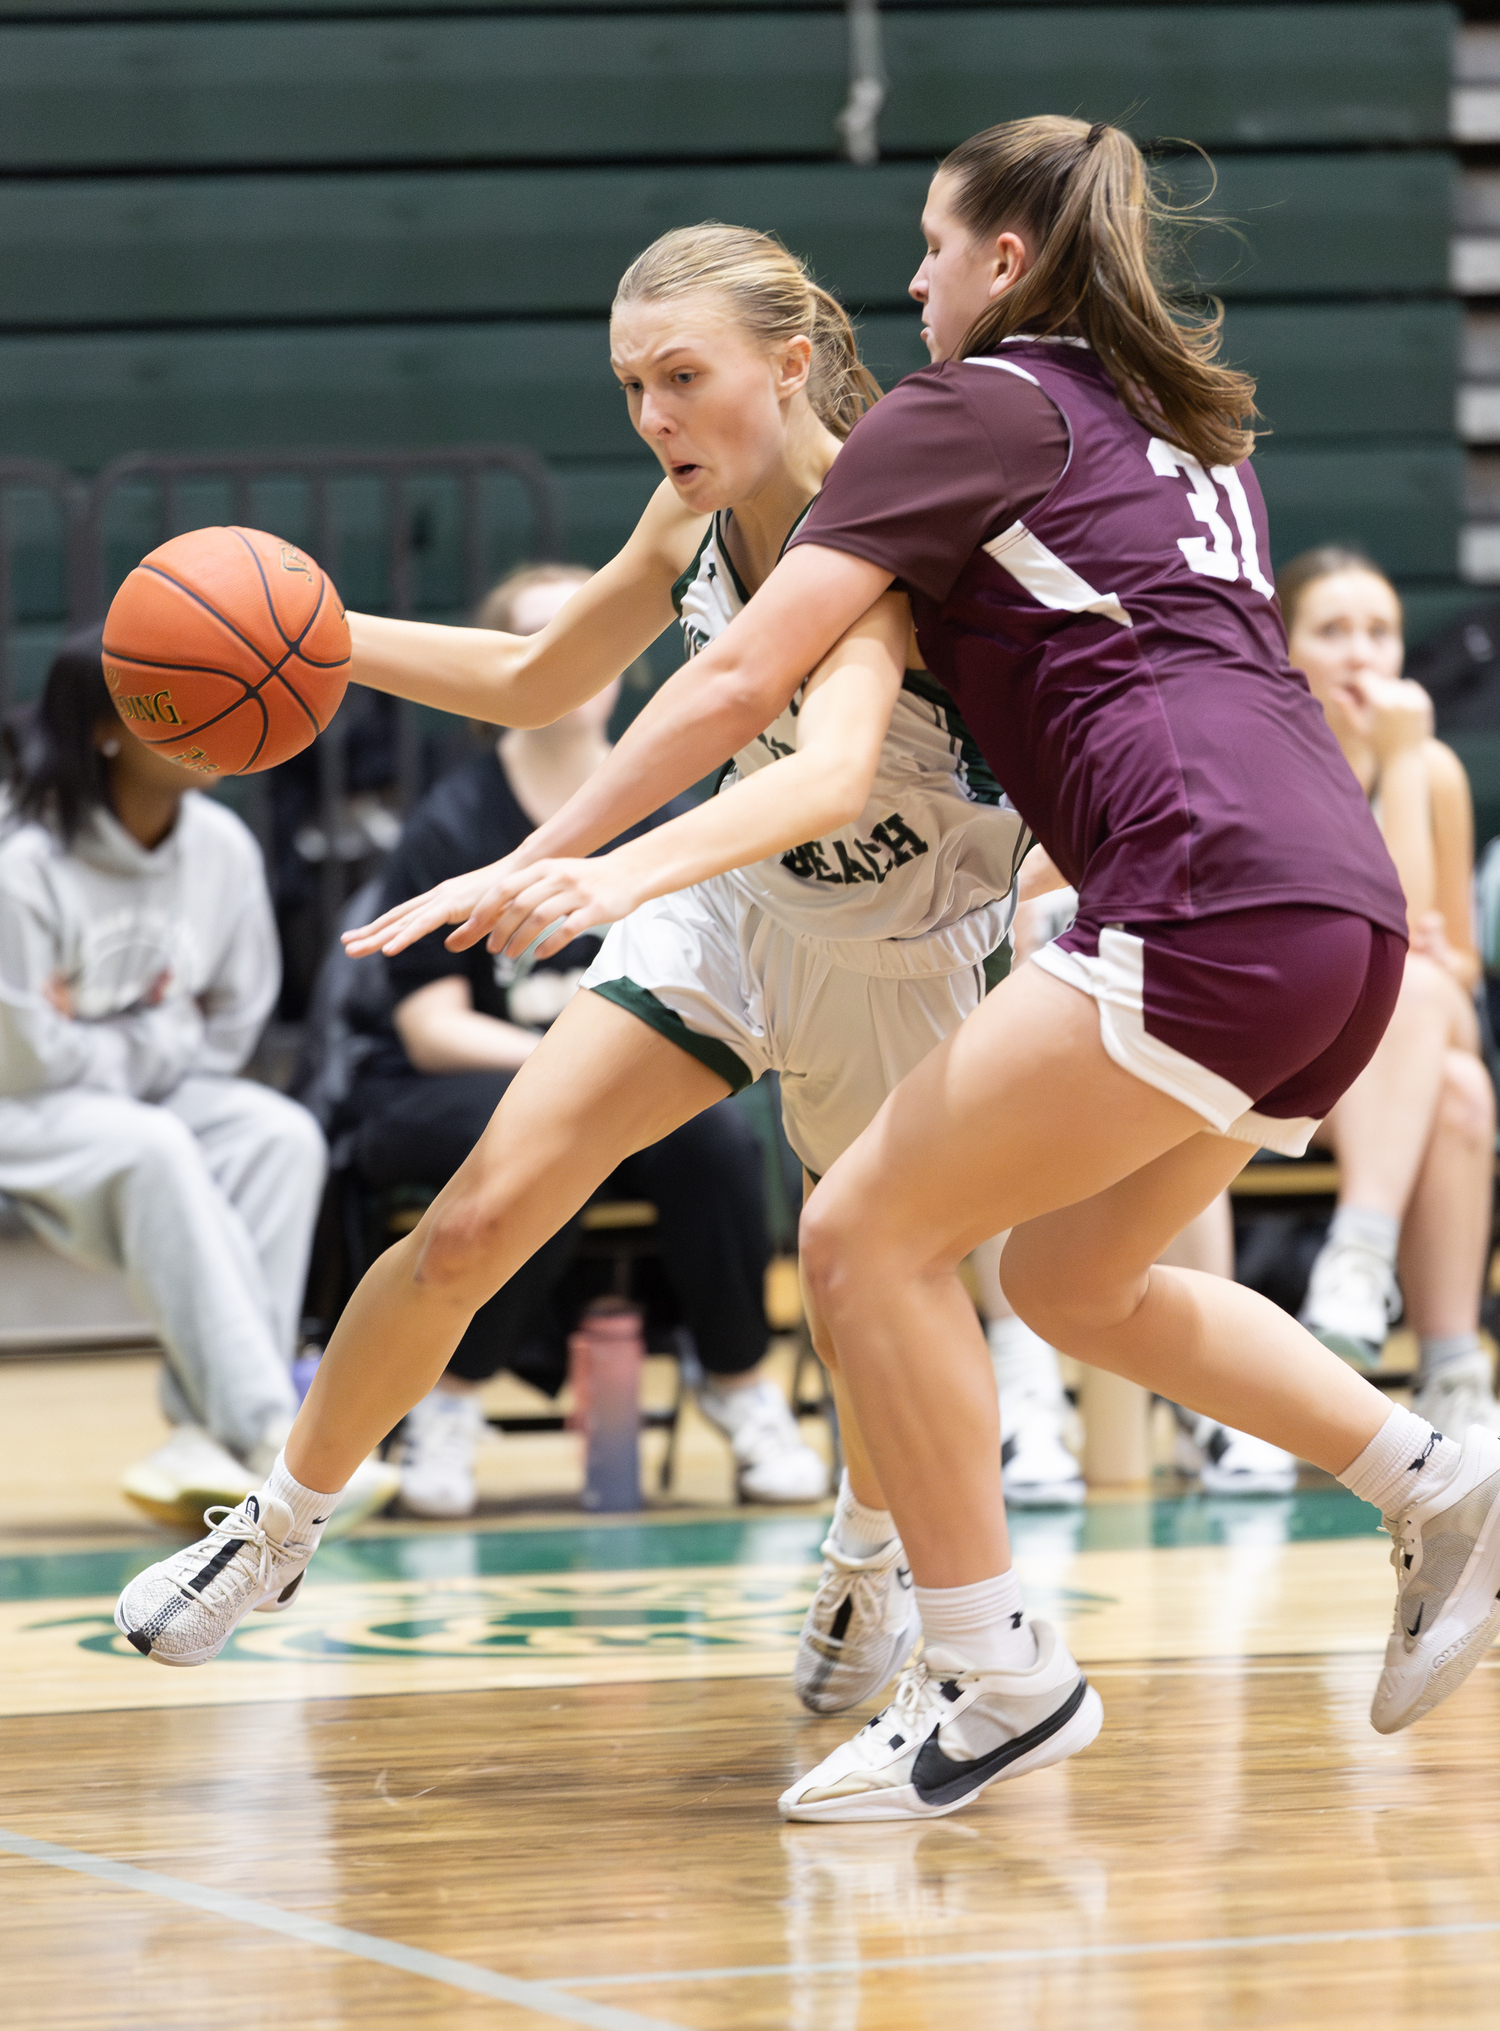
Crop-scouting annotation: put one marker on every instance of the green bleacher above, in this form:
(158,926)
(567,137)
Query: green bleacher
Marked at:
(242,223)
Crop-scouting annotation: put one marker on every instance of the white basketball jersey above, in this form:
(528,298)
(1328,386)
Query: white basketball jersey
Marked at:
(922,881)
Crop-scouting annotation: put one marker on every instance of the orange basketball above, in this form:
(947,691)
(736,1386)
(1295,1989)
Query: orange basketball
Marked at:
(227,649)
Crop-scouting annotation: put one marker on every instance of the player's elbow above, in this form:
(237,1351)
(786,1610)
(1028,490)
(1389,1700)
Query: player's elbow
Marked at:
(742,699)
(848,793)
(841,784)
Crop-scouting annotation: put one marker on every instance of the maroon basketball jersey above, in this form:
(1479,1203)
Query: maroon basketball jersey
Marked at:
(1115,649)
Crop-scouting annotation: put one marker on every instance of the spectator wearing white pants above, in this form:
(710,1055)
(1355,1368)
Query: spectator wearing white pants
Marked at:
(138,964)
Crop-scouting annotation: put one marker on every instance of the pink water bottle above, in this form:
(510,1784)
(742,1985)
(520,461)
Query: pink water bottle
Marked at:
(605,1357)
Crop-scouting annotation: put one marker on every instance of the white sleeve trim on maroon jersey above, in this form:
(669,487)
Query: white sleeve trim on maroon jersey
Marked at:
(1005,366)
(1049,581)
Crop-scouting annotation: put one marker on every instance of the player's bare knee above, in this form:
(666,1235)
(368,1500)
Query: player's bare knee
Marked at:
(1065,1306)
(822,1242)
(1466,1106)
(456,1243)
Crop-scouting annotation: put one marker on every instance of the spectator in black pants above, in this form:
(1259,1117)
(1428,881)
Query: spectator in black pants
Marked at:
(460,1025)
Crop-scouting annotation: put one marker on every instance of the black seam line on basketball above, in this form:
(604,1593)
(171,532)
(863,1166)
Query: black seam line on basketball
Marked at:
(957,1780)
(276,669)
(198,600)
(217,1563)
(265,586)
(252,697)
(293,648)
(142,665)
(286,682)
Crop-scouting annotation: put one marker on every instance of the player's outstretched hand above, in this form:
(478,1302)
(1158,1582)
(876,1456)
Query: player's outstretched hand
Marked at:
(451,902)
(561,898)
(507,905)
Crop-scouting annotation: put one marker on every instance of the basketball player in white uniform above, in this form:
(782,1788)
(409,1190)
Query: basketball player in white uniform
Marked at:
(839,961)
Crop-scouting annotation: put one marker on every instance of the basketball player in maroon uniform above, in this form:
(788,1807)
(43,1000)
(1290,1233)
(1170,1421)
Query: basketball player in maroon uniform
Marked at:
(1065,499)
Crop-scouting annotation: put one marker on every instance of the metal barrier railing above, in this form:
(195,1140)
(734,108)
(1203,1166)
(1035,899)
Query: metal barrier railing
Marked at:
(157,495)
(68,499)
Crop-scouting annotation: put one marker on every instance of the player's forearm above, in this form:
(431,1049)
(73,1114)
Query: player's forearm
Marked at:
(718,702)
(688,729)
(796,799)
(471,671)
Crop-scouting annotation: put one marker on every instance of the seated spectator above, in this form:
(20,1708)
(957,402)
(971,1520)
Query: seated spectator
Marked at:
(1415,1133)
(461,1025)
(137,967)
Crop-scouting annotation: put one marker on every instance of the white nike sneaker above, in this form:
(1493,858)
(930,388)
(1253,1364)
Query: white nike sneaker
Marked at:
(1459,1395)
(187,1474)
(1228,1462)
(1352,1297)
(1037,1467)
(185,1609)
(861,1627)
(438,1443)
(942,1740)
(1446,1552)
(772,1461)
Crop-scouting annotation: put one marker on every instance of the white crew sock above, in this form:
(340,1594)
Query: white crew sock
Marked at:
(1366,1228)
(859,1531)
(310,1508)
(977,1628)
(1448,1352)
(1406,1461)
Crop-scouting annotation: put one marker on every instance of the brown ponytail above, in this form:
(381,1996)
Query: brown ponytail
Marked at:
(772,296)
(1082,196)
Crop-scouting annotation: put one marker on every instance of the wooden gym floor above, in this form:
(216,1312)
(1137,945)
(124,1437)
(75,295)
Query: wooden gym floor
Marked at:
(525,1774)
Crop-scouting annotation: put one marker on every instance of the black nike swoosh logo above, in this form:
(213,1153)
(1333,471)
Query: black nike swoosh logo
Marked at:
(1418,1623)
(903,1577)
(938,1780)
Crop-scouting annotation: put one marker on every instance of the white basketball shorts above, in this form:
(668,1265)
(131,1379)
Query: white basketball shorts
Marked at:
(709,969)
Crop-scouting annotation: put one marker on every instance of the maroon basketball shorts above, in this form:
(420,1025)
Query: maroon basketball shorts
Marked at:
(1258,1020)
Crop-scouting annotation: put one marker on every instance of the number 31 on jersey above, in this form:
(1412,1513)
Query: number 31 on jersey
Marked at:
(1213,555)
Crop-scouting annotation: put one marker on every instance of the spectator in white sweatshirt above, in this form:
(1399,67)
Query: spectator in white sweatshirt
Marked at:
(138,964)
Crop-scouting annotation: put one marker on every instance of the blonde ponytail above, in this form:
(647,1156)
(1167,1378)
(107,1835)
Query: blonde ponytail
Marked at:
(1082,197)
(772,296)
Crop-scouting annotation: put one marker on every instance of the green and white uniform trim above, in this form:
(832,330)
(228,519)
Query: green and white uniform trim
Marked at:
(841,964)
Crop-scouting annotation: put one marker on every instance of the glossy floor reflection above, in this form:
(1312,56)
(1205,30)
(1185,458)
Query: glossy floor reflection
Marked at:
(599,1844)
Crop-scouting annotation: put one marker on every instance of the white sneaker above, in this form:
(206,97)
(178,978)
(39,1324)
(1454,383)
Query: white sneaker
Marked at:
(1037,1467)
(187,1474)
(1352,1297)
(1228,1462)
(185,1609)
(773,1463)
(1446,1552)
(861,1627)
(438,1442)
(1460,1395)
(942,1740)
